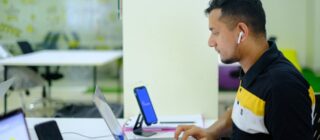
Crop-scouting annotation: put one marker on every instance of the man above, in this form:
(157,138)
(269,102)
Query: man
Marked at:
(273,101)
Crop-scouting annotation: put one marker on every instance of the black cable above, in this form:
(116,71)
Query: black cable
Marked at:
(89,137)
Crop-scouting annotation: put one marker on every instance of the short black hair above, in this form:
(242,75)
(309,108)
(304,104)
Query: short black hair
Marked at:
(250,12)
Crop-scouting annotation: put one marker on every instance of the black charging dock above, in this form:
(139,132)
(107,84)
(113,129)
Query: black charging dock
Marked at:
(137,129)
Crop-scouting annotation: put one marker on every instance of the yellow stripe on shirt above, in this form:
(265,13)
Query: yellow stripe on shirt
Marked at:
(312,96)
(250,101)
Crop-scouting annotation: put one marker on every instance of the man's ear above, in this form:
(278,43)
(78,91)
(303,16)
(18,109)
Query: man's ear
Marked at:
(242,27)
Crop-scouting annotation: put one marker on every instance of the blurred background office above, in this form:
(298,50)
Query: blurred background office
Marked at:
(64,25)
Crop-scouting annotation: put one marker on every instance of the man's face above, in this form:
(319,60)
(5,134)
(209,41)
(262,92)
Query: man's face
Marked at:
(222,38)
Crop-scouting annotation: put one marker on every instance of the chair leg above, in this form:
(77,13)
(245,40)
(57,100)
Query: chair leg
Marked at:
(44,92)
(23,100)
(27,92)
(44,96)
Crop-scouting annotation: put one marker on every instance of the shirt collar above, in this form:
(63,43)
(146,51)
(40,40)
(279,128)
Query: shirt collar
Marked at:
(261,64)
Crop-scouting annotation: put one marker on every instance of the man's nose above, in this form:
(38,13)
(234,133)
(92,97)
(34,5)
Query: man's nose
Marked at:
(212,42)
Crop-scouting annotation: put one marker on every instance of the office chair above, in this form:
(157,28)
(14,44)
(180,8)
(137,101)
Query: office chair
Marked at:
(45,42)
(25,78)
(52,44)
(49,42)
(49,76)
(72,42)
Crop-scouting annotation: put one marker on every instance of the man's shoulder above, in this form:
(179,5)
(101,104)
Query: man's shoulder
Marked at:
(283,69)
(283,74)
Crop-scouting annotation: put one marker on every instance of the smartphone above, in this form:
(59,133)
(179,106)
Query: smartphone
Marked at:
(145,105)
(48,131)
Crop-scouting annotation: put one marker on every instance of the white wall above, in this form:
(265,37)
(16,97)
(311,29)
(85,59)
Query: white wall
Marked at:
(296,24)
(165,47)
(310,18)
(286,19)
(317,36)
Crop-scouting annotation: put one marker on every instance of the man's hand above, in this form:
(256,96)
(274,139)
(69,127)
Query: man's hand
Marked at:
(190,130)
(222,127)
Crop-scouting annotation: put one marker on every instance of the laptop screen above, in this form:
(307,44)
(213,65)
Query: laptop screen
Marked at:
(108,116)
(13,126)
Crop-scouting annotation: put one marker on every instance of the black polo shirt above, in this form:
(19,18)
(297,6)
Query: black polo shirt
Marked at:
(273,101)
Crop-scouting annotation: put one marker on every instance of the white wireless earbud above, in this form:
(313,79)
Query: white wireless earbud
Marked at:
(240,36)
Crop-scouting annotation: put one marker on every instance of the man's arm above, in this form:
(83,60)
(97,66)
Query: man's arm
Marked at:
(222,127)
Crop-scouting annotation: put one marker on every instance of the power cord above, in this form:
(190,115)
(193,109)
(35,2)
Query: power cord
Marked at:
(89,137)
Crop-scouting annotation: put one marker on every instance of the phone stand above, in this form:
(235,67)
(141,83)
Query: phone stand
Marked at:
(137,129)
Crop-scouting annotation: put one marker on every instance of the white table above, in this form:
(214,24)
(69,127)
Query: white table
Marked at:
(89,127)
(62,58)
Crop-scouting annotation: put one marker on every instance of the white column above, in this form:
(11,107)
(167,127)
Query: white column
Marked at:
(165,47)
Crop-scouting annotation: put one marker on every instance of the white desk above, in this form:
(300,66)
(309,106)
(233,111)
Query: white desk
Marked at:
(62,58)
(89,127)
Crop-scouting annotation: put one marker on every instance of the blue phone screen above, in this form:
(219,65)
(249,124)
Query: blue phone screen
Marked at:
(145,104)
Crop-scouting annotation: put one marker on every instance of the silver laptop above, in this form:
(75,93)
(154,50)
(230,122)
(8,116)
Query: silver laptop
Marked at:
(4,86)
(108,116)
